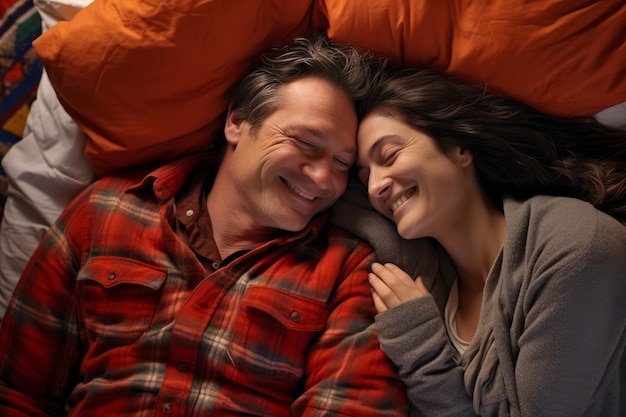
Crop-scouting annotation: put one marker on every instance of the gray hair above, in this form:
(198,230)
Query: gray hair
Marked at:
(343,65)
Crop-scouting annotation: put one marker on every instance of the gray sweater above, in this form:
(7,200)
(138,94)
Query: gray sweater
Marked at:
(550,340)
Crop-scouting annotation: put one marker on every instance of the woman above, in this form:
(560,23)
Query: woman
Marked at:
(529,209)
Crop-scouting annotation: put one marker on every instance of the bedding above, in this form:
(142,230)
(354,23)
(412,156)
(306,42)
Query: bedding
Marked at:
(44,170)
(154,89)
(20,70)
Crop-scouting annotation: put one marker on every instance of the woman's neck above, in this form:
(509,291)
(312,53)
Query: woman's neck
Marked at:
(474,247)
(475,243)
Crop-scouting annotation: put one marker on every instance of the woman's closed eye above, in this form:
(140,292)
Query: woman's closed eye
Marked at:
(387,156)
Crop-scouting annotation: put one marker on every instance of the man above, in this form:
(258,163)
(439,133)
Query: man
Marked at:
(213,286)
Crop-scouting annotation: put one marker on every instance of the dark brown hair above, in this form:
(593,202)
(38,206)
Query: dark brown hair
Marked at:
(517,150)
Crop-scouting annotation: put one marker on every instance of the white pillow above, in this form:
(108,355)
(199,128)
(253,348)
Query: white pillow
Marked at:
(54,11)
(45,169)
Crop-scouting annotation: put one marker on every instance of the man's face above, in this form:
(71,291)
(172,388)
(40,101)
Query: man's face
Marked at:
(296,164)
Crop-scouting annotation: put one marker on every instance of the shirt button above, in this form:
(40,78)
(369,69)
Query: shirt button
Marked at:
(295,316)
(167,408)
(182,366)
(189,213)
(112,276)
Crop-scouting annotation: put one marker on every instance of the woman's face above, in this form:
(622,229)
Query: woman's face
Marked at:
(409,179)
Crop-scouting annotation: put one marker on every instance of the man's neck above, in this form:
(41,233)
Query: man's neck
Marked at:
(233,228)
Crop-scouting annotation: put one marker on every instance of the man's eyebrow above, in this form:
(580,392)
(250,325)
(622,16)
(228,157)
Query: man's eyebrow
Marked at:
(319,135)
(309,130)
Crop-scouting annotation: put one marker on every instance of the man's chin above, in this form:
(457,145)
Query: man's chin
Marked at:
(295,222)
(295,226)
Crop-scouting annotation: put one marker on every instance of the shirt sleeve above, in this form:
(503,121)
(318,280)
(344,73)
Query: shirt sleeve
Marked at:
(347,372)
(414,337)
(39,338)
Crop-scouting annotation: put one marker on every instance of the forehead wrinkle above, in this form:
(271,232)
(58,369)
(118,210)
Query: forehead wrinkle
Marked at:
(307,129)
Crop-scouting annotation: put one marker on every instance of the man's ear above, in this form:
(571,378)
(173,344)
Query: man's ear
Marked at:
(233,126)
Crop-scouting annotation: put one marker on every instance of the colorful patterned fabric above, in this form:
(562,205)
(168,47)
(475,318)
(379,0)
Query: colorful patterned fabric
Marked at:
(20,71)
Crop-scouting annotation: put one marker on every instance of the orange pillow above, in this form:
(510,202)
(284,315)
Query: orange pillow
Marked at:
(145,79)
(563,56)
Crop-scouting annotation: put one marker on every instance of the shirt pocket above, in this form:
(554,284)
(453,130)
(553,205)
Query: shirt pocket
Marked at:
(117,298)
(272,334)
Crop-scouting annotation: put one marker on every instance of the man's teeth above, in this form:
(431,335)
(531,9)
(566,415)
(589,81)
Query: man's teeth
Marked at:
(398,203)
(300,193)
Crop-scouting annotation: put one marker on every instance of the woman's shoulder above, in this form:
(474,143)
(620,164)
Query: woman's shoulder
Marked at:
(543,211)
(564,224)
(563,244)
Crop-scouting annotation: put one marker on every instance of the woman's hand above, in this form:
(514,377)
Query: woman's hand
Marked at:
(392,286)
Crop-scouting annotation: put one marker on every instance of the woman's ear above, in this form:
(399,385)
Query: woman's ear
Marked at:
(463,156)
(233,126)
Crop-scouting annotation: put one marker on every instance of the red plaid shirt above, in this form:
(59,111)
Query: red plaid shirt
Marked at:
(115,316)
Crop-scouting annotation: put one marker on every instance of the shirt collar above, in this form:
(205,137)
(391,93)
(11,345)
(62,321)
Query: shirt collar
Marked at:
(168,179)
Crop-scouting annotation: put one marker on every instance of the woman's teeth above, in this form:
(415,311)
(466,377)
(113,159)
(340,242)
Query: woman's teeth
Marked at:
(398,203)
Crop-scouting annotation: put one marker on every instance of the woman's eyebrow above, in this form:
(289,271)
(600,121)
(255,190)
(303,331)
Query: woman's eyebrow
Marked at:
(380,142)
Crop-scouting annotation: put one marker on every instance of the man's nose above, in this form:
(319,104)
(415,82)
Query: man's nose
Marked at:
(320,172)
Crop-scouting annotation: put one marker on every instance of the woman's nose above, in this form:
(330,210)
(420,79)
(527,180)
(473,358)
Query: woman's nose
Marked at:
(378,184)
